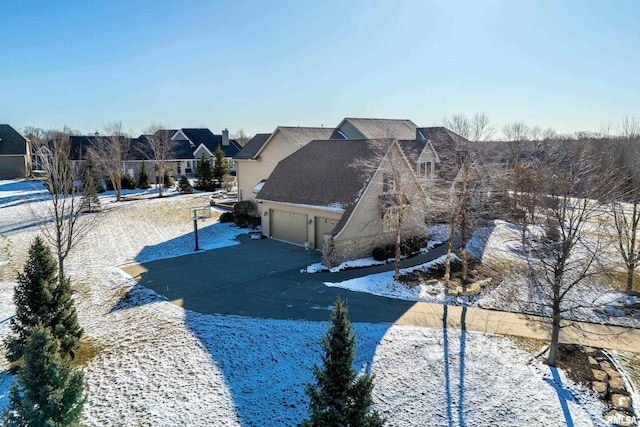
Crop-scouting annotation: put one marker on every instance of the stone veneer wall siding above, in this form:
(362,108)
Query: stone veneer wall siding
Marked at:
(335,252)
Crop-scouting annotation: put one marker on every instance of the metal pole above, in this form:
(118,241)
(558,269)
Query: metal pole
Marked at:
(195,231)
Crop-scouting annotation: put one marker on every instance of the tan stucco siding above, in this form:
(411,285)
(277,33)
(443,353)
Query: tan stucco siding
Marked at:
(251,172)
(310,212)
(367,219)
(13,166)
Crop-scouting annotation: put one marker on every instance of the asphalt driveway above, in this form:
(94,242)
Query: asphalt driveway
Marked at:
(260,278)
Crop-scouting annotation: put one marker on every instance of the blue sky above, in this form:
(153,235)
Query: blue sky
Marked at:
(570,65)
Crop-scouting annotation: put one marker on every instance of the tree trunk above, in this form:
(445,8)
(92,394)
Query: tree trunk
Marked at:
(632,252)
(555,332)
(60,267)
(447,261)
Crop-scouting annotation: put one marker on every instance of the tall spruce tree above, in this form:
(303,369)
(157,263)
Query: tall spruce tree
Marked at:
(204,175)
(48,392)
(40,297)
(220,168)
(143,178)
(339,398)
(90,201)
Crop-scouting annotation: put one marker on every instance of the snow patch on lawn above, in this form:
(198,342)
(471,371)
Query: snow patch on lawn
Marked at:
(382,284)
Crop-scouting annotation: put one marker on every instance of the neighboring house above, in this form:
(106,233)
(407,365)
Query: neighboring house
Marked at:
(359,128)
(320,197)
(15,154)
(180,154)
(187,147)
(256,161)
(204,142)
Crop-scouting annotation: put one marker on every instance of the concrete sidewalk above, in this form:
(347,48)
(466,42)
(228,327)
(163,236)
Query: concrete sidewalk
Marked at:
(515,324)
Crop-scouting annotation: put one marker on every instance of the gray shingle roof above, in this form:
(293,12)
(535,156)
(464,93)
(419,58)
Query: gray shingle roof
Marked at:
(208,139)
(322,174)
(11,142)
(300,136)
(384,128)
(252,148)
(445,143)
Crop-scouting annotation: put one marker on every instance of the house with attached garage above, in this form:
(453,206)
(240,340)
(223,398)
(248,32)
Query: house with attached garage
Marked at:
(256,161)
(15,153)
(338,196)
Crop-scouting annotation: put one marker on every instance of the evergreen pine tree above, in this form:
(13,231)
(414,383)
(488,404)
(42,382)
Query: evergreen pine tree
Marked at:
(339,398)
(204,175)
(220,168)
(184,186)
(40,297)
(90,201)
(168,179)
(48,392)
(143,178)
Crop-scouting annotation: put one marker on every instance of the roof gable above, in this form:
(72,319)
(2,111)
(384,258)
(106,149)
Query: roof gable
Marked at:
(255,144)
(205,137)
(446,144)
(11,142)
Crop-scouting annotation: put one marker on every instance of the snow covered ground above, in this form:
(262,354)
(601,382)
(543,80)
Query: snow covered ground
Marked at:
(160,365)
(498,246)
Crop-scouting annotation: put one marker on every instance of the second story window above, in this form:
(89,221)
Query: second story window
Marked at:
(424,170)
(388,182)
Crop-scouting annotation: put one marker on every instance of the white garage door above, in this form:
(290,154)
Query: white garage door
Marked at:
(323,225)
(288,226)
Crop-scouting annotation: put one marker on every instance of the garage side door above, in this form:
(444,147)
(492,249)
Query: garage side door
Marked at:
(323,225)
(288,226)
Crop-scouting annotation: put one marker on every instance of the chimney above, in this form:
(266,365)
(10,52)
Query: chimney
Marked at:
(225,137)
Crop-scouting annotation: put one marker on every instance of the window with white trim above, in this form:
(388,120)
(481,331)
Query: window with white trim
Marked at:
(424,170)
(388,183)
(390,219)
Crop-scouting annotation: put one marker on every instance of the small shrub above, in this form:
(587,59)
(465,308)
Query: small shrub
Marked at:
(169,180)
(244,208)
(412,245)
(226,217)
(379,254)
(184,186)
(391,251)
(128,182)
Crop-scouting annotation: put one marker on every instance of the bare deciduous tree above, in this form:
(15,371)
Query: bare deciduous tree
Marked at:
(466,187)
(401,190)
(568,251)
(516,133)
(625,205)
(111,151)
(64,225)
(241,137)
(161,147)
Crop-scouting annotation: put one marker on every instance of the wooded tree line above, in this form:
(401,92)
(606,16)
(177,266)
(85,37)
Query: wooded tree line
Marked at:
(570,196)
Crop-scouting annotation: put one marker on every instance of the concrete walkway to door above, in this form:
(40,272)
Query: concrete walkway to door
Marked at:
(263,279)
